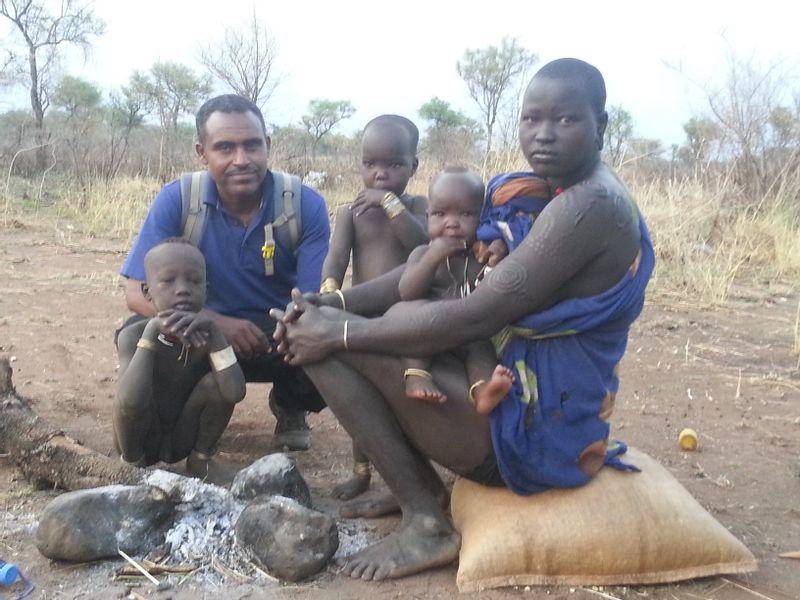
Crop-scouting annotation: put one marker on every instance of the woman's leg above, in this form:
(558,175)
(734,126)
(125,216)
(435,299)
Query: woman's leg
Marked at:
(398,434)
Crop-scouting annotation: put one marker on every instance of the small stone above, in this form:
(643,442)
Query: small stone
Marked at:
(293,542)
(91,524)
(273,475)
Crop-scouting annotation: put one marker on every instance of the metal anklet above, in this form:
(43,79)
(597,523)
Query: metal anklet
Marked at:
(412,372)
(362,468)
(472,389)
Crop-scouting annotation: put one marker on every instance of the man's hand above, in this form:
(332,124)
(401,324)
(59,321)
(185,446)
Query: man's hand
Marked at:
(366,199)
(246,338)
(490,254)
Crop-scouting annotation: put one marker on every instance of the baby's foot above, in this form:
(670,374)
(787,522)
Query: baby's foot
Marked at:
(420,386)
(489,394)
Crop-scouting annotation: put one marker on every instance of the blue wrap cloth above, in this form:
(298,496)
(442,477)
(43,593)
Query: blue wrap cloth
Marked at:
(551,429)
(512,203)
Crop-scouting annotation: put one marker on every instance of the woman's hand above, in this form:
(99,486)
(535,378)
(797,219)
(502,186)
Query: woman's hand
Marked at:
(303,334)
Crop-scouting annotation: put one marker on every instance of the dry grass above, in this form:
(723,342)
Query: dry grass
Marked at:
(115,208)
(706,236)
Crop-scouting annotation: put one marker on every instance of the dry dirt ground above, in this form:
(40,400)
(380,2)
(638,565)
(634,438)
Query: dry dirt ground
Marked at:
(730,373)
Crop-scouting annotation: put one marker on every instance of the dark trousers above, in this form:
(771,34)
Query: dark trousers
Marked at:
(293,389)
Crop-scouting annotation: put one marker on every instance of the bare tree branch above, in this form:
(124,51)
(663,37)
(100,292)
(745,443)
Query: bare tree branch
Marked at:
(243,61)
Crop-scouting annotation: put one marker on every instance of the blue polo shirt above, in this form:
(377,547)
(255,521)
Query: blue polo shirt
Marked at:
(237,284)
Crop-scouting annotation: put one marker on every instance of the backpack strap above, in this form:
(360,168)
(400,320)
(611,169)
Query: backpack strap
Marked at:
(193,209)
(286,205)
(287,214)
(287,218)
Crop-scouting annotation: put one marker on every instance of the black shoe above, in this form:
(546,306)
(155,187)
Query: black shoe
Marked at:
(291,430)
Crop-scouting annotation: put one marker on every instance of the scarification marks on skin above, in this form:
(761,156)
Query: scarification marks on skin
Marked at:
(511,279)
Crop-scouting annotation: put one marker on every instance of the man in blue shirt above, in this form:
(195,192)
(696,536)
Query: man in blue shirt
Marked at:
(234,147)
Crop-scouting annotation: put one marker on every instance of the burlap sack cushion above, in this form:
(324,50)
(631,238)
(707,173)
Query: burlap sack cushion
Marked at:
(620,529)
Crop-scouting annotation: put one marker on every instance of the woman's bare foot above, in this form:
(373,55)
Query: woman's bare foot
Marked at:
(423,543)
(355,486)
(380,505)
(491,393)
(370,508)
(423,388)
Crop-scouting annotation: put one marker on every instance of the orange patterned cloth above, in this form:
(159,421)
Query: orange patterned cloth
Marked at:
(521,186)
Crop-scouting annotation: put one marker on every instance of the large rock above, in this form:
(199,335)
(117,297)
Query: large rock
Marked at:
(272,475)
(90,524)
(291,541)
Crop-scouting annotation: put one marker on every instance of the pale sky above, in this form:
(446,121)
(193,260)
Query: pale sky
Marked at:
(395,56)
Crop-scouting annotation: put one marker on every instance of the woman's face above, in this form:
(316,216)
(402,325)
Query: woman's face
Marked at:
(559,132)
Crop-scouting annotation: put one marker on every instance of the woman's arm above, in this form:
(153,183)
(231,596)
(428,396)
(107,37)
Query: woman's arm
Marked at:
(553,263)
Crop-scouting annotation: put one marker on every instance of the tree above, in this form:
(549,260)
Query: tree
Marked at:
(172,90)
(78,97)
(291,147)
(80,101)
(6,63)
(322,117)
(244,61)
(442,116)
(618,133)
(702,135)
(451,136)
(489,72)
(44,34)
(752,108)
(125,112)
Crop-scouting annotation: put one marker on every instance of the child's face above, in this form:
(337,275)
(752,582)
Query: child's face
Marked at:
(386,159)
(559,133)
(453,209)
(176,278)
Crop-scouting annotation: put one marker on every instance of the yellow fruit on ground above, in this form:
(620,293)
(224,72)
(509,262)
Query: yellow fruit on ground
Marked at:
(688,439)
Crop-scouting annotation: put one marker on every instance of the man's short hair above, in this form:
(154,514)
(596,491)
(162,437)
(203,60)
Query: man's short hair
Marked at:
(226,103)
(582,74)
(398,121)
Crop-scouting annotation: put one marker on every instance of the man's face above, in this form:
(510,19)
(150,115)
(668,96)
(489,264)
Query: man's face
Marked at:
(559,133)
(236,151)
